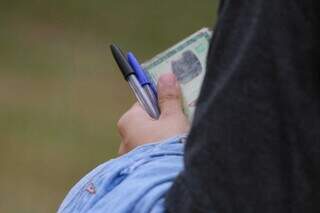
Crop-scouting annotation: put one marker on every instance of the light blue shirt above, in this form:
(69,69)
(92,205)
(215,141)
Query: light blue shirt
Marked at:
(134,182)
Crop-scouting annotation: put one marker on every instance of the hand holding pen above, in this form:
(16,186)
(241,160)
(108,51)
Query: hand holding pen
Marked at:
(136,128)
(137,81)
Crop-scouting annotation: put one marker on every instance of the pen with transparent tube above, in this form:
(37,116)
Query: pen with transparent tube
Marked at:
(143,79)
(133,82)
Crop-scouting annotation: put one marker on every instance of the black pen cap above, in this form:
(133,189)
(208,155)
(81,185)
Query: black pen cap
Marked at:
(122,61)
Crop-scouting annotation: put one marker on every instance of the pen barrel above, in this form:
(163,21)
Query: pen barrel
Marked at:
(150,92)
(143,97)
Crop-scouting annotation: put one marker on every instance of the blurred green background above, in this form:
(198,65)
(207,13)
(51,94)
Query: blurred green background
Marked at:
(60,91)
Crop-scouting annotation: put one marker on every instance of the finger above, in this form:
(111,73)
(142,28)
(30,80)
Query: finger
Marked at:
(126,117)
(136,104)
(169,95)
(122,150)
(134,114)
(138,110)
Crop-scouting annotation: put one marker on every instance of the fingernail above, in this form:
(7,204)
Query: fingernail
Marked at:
(167,80)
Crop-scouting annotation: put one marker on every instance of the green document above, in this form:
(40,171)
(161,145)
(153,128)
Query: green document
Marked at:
(187,60)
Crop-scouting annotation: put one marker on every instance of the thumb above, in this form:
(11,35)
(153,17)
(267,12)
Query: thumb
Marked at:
(169,95)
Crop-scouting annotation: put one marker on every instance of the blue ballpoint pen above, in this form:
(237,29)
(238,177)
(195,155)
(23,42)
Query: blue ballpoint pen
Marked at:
(143,79)
(130,76)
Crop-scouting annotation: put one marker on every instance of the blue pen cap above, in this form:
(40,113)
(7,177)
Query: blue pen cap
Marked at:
(143,79)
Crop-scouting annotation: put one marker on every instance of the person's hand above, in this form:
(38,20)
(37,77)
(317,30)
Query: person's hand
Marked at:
(136,127)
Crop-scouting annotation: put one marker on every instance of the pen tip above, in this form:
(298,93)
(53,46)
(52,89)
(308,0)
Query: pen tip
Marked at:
(115,50)
(113,46)
(121,60)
